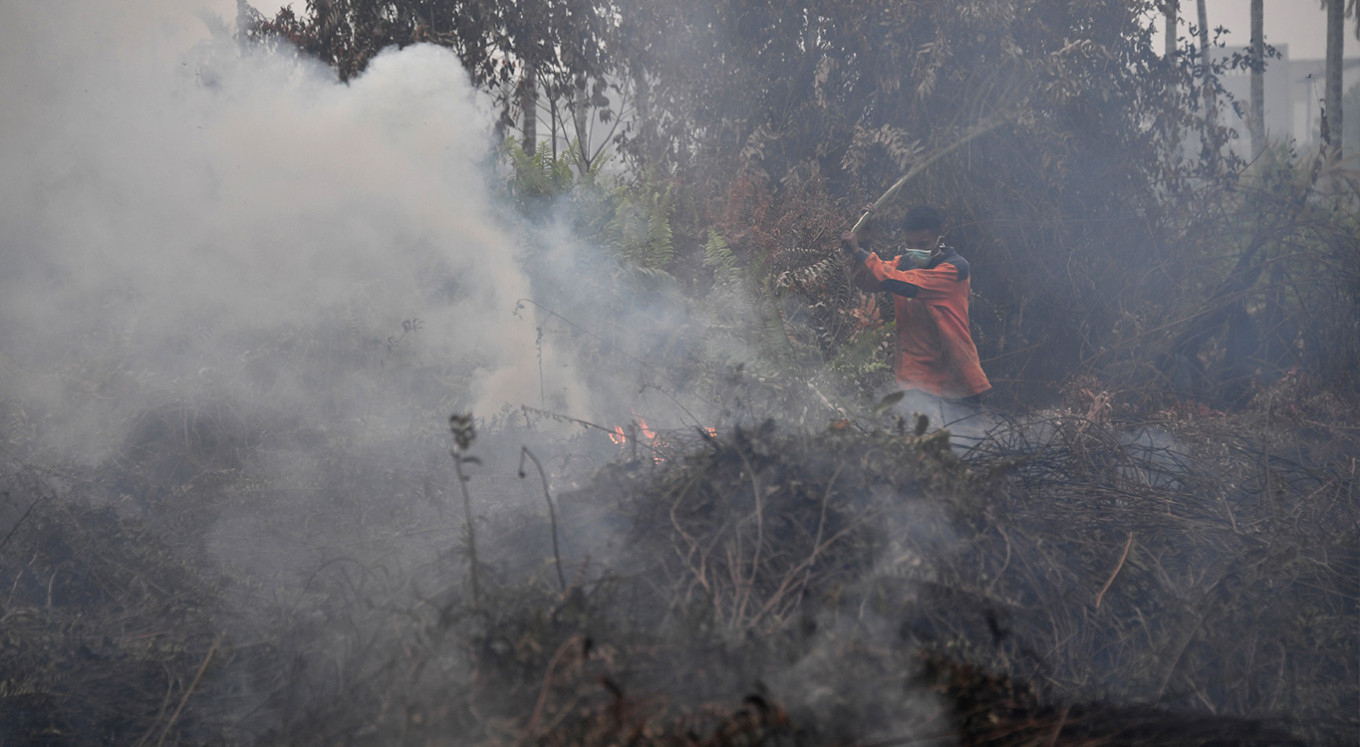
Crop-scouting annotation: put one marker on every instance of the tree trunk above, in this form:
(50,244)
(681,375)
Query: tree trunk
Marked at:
(1209,138)
(1256,122)
(528,103)
(1169,13)
(1331,136)
(580,116)
(1170,9)
(1203,44)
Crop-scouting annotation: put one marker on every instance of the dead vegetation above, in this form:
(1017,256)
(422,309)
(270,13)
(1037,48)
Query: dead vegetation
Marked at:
(1072,576)
(1076,579)
(1168,556)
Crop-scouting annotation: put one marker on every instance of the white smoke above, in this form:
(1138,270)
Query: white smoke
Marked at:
(172,203)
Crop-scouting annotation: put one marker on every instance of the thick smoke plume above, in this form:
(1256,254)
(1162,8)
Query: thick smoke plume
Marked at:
(172,212)
(241,299)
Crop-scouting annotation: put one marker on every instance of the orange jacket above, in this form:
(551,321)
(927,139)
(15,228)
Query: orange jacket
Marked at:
(935,352)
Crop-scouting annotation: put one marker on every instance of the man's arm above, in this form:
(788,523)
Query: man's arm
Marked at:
(860,274)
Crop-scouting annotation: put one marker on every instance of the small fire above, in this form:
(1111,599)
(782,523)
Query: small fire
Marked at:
(648,432)
(645,434)
(620,437)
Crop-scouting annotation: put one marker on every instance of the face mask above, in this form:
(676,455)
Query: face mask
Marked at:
(913,259)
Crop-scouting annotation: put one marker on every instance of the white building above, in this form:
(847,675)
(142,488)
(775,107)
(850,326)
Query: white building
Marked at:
(1294,92)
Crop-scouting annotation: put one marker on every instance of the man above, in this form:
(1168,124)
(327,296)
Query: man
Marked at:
(930,285)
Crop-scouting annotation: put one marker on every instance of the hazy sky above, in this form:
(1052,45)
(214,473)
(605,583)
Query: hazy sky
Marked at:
(1302,24)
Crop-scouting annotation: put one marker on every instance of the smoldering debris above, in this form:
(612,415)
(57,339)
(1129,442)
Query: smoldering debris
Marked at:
(852,585)
(229,515)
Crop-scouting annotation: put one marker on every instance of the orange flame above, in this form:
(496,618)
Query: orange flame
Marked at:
(619,436)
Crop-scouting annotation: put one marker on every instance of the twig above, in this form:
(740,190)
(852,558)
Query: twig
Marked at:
(575,640)
(804,564)
(821,517)
(463,435)
(552,513)
(1007,562)
(526,409)
(701,573)
(21,520)
(1118,566)
(471,532)
(1057,729)
(17,578)
(185,699)
(165,703)
(53,580)
(750,583)
(1189,636)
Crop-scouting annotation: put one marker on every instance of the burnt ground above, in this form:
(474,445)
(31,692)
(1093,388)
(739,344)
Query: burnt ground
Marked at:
(1070,576)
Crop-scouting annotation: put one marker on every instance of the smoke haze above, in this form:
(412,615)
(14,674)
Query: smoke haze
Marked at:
(222,264)
(172,216)
(238,301)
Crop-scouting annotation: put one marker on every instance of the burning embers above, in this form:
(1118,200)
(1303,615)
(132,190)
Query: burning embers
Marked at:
(620,437)
(638,433)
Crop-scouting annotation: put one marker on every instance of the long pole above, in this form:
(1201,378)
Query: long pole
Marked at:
(968,135)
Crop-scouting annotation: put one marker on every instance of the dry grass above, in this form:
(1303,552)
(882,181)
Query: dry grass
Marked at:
(1070,577)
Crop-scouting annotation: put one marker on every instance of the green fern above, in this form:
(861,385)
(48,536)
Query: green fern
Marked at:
(864,355)
(660,250)
(718,255)
(774,336)
(754,305)
(641,230)
(539,175)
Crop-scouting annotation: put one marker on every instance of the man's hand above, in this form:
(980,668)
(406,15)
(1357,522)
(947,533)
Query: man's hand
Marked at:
(850,243)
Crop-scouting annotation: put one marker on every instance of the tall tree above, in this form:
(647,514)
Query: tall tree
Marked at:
(1256,121)
(1169,11)
(1203,13)
(1209,135)
(1336,19)
(761,109)
(514,48)
(528,105)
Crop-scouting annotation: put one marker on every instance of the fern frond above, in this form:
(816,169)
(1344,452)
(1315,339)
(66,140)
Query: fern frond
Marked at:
(641,230)
(655,276)
(537,175)
(718,255)
(660,250)
(815,278)
(865,354)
